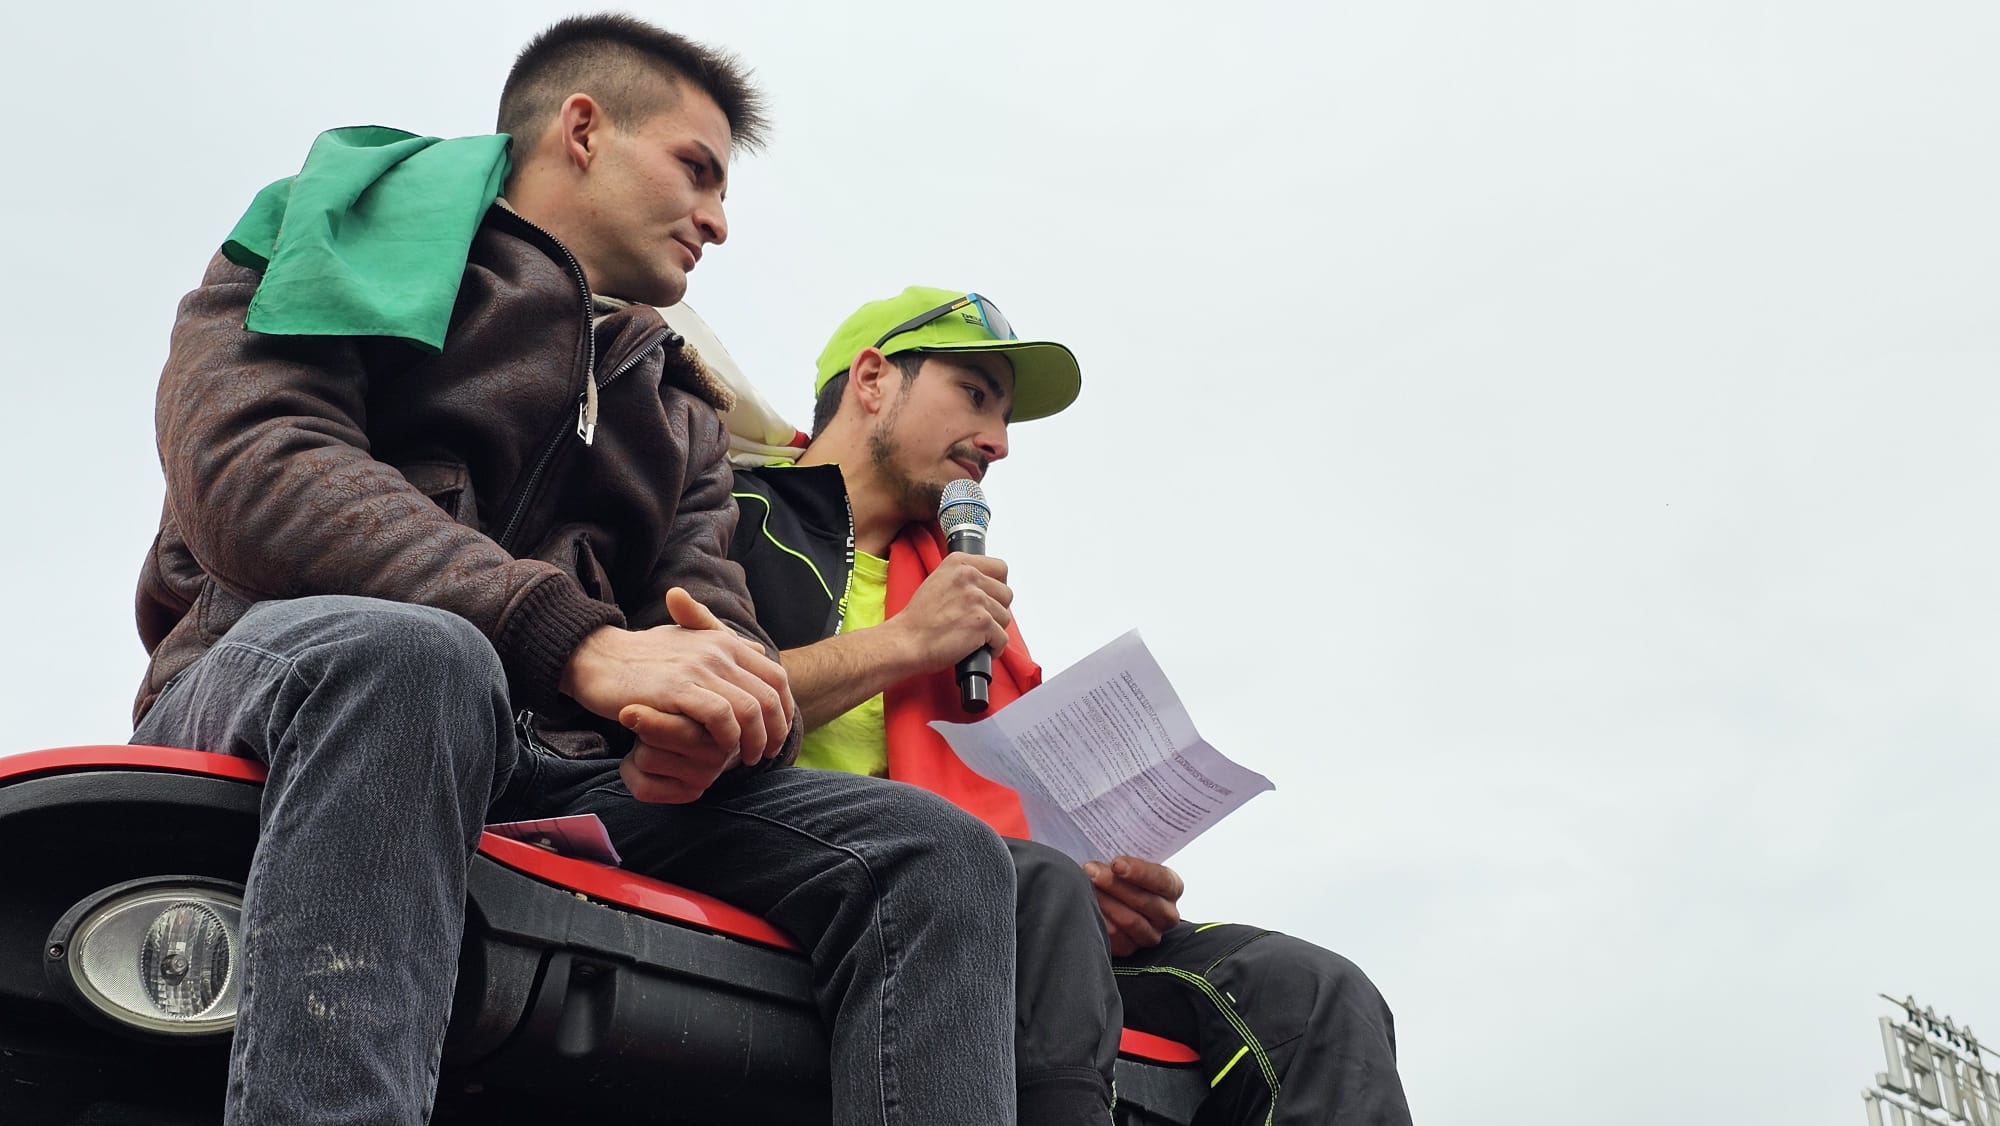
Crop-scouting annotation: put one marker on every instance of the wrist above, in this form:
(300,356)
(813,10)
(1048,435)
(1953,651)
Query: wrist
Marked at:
(905,656)
(585,651)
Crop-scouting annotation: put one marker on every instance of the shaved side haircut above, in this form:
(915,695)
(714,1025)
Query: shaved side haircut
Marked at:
(828,403)
(620,62)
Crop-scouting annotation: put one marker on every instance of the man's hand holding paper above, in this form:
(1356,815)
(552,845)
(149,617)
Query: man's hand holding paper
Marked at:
(1106,760)
(1140,901)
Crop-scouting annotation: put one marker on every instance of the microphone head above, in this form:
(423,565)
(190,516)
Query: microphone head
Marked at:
(963,507)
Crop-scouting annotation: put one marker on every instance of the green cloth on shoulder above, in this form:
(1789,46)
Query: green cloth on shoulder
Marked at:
(371,237)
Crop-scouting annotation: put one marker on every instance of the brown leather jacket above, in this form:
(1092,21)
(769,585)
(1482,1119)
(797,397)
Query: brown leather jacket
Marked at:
(333,465)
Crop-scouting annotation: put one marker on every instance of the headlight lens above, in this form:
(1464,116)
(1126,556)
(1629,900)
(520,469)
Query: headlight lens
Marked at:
(159,957)
(185,960)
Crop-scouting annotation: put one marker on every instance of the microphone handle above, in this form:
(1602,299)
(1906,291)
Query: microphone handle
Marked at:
(975,671)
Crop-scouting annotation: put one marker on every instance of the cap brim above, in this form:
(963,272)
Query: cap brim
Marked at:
(1046,376)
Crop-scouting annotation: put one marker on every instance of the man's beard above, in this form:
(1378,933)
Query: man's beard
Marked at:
(918,498)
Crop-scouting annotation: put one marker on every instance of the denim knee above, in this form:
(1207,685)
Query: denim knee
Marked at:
(408,676)
(965,849)
(375,639)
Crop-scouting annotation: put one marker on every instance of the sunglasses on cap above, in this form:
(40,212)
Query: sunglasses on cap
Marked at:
(990,317)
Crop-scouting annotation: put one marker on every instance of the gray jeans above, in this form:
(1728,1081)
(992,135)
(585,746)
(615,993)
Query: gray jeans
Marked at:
(389,736)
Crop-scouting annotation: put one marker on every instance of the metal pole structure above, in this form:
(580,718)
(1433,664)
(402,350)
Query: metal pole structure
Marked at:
(1938,1073)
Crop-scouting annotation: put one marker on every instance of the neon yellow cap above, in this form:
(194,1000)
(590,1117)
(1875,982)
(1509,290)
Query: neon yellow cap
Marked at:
(1046,376)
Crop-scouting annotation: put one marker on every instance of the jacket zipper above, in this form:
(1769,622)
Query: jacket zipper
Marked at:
(586,432)
(584,429)
(589,373)
(549,451)
(840,608)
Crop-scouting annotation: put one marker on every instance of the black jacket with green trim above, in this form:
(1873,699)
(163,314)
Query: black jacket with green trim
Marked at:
(795,541)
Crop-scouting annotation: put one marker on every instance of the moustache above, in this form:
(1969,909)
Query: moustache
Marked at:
(969,455)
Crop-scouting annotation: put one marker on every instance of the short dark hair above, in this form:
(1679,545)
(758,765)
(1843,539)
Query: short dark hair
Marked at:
(619,60)
(828,403)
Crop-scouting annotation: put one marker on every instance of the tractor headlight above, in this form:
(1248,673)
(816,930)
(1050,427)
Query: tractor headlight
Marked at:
(160,955)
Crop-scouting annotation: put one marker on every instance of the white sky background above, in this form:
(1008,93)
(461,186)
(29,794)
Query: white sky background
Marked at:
(1553,441)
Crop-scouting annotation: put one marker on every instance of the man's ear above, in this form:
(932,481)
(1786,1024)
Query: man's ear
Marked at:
(867,380)
(581,124)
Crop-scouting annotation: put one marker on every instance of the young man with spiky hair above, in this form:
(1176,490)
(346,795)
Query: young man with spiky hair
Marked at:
(444,542)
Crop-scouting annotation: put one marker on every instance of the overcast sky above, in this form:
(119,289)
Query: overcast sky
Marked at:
(1553,441)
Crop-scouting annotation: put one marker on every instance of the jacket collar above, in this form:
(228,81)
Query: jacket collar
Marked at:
(816,494)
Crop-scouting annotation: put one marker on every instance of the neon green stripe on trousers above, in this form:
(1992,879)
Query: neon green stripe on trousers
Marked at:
(1217,1081)
(1229,1013)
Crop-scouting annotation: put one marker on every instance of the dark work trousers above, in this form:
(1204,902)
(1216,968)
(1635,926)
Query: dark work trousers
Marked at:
(1066,1007)
(1289,1034)
(1066,1011)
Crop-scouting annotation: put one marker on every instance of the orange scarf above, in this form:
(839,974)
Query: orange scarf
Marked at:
(919,755)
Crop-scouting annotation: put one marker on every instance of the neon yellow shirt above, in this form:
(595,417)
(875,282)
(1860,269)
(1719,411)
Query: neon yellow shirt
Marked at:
(856,741)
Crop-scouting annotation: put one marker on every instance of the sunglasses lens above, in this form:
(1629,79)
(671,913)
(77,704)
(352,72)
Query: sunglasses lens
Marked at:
(989,315)
(996,321)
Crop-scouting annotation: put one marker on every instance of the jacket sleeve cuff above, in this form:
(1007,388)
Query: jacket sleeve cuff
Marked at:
(545,627)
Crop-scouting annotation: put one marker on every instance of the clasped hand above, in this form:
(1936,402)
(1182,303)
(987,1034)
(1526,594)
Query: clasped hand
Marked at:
(700,698)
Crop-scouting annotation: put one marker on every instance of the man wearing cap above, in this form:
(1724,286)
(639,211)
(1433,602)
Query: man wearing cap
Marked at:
(849,575)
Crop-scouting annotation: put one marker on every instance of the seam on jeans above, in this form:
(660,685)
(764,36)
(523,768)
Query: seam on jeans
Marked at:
(1203,986)
(247,1046)
(291,666)
(292,676)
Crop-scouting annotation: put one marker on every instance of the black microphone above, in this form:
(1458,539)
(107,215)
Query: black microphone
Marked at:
(963,514)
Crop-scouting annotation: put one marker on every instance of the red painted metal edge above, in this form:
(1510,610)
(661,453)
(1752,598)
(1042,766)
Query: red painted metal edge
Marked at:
(1159,1049)
(641,893)
(654,897)
(115,755)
